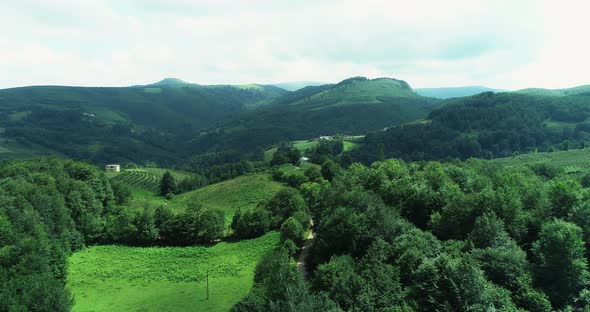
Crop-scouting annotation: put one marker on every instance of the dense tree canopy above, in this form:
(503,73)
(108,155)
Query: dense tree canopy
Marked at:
(457,236)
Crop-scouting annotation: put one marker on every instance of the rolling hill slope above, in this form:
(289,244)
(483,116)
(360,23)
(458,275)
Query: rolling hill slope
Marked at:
(136,123)
(353,106)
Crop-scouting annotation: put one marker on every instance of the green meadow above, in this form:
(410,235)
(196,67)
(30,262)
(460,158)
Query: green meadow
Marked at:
(120,278)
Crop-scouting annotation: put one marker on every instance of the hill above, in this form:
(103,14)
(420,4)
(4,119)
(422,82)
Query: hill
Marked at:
(580,90)
(104,125)
(452,92)
(170,82)
(486,125)
(353,106)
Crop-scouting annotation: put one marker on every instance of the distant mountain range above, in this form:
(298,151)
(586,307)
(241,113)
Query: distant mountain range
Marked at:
(173,119)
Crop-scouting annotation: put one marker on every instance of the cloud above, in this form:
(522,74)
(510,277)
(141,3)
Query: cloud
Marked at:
(427,43)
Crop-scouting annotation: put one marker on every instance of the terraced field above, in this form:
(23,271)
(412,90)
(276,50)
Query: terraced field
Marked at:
(571,160)
(148,178)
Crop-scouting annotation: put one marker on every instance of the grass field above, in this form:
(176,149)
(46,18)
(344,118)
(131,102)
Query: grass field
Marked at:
(243,192)
(304,145)
(571,160)
(118,278)
(147,178)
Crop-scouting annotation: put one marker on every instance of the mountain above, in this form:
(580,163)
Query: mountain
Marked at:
(353,106)
(118,124)
(296,85)
(451,92)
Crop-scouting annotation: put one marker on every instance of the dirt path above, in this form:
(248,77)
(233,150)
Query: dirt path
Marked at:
(304,253)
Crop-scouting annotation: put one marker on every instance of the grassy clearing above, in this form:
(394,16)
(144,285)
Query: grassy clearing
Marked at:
(303,146)
(559,125)
(268,154)
(348,145)
(118,278)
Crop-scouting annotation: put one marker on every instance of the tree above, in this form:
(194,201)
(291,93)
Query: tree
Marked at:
(284,204)
(146,231)
(211,225)
(564,195)
(182,229)
(121,192)
(252,223)
(561,268)
(329,169)
(340,280)
(291,229)
(488,231)
(167,184)
(313,174)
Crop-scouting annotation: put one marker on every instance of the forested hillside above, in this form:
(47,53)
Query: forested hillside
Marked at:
(171,120)
(138,123)
(487,125)
(462,236)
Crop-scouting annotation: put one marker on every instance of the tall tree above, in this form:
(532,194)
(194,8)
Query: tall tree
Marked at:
(562,269)
(167,184)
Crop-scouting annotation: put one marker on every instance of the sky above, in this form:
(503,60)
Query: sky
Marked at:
(500,44)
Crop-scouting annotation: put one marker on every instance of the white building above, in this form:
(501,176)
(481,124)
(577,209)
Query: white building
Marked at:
(113,168)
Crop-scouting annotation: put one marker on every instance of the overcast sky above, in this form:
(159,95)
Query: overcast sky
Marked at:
(502,44)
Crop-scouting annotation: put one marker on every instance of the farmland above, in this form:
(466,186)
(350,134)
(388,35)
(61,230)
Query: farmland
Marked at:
(570,160)
(118,278)
(148,178)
